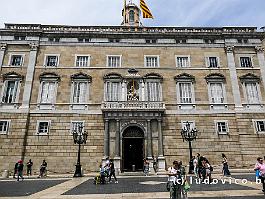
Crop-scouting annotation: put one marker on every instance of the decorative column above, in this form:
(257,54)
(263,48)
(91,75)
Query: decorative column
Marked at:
(149,140)
(260,55)
(142,90)
(2,54)
(29,76)
(161,158)
(106,139)
(123,91)
(117,158)
(233,76)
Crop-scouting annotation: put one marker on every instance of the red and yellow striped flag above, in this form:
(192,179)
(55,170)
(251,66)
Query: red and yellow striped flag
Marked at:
(146,12)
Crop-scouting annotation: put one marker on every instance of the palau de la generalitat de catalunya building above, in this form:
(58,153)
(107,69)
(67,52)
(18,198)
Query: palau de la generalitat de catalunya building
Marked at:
(132,88)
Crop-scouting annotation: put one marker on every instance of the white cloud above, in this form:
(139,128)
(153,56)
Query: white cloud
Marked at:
(108,12)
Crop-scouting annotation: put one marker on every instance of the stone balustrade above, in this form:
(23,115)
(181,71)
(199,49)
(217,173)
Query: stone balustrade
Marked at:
(133,105)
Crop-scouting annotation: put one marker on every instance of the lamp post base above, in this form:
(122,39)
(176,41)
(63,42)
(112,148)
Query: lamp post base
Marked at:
(78,172)
(191,167)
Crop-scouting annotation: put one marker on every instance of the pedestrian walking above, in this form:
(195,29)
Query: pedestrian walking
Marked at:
(154,164)
(15,170)
(199,158)
(107,167)
(102,172)
(112,171)
(226,171)
(183,178)
(260,166)
(20,170)
(175,181)
(195,166)
(146,167)
(43,169)
(206,171)
(29,167)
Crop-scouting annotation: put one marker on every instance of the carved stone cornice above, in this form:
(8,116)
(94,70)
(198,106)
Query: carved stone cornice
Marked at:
(259,49)
(229,49)
(33,46)
(3,46)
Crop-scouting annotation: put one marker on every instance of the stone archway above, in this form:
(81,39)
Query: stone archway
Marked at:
(132,149)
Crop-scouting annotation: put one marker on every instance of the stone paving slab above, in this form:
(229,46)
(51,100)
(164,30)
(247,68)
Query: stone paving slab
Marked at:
(26,187)
(145,185)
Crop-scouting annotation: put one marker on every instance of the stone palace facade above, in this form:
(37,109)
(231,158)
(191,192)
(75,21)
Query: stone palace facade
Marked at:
(133,88)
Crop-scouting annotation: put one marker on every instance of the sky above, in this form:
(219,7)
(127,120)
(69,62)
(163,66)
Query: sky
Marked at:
(196,13)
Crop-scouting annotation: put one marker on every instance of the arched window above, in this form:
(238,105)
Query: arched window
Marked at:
(131,16)
(48,90)
(11,87)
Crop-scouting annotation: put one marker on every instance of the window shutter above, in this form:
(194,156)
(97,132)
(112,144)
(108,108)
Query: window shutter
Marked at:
(83,90)
(44,92)
(51,90)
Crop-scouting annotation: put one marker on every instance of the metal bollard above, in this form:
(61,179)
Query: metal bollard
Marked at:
(133,167)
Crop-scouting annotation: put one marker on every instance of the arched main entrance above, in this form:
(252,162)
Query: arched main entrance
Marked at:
(132,148)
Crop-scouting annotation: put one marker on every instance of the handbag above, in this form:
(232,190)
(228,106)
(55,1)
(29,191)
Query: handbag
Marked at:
(257,173)
(168,186)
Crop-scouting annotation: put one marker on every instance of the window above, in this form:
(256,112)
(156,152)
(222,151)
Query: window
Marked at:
(212,62)
(43,127)
(114,61)
(54,39)
(82,61)
(151,61)
(52,60)
(76,125)
(150,41)
(259,126)
(183,61)
(4,126)
(20,38)
(185,92)
(113,91)
(84,40)
(131,16)
(153,91)
(181,41)
(114,40)
(79,92)
(221,127)
(10,93)
(48,92)
(252,93)
(216,93)
(245,62)
(16,60)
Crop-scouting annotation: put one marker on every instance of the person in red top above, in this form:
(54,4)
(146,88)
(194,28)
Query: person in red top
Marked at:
(260,166)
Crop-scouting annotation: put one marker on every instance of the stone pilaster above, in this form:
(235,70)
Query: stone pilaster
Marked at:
(260,55)
(161,159)
(2,53)
(106,139)
(149,140)
(29,76)
(117,140)
(233,76)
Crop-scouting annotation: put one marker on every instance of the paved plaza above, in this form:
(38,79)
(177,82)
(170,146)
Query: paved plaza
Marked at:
(244,187)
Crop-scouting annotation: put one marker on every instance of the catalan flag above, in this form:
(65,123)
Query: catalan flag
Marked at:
(146,12)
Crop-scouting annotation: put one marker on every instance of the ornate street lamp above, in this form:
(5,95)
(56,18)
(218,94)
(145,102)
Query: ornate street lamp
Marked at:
(189,135)
(79,137)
